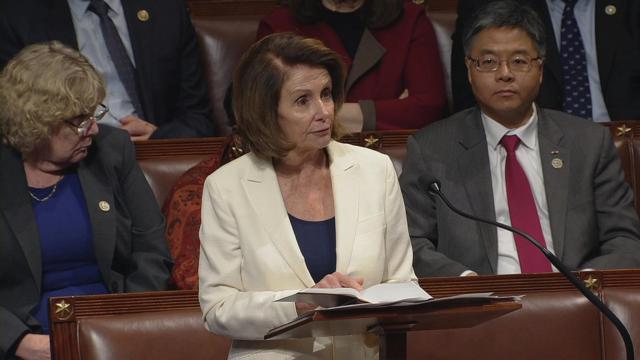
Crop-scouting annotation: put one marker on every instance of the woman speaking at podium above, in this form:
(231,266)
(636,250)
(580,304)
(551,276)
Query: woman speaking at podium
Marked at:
(300,210)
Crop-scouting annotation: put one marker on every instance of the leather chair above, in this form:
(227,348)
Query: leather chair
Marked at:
(555,322)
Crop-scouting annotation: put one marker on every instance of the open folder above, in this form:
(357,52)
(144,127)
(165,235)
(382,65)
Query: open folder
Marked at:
(381,294)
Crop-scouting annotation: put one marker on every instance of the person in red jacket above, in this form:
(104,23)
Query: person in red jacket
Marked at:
(395,77)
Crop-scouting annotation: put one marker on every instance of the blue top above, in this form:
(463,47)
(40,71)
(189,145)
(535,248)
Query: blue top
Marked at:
(69,265)
(317,242)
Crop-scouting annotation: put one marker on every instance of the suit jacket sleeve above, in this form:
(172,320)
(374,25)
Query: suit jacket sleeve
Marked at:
(226,307)
(12,329)
(617,220)
(192,116)
(424,79)
(149,264)
(422,217)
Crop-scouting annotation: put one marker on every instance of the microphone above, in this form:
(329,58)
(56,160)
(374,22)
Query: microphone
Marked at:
(433,188)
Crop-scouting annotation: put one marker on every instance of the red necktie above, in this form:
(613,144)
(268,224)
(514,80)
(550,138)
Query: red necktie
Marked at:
(522,210)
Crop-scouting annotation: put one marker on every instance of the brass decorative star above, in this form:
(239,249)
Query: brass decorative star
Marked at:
(370,140)
(63,310)
(591,283)
(623,130)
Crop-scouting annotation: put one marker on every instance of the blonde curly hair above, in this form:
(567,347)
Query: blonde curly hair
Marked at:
(43,85)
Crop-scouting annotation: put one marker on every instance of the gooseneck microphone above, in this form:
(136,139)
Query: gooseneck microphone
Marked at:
(433,187)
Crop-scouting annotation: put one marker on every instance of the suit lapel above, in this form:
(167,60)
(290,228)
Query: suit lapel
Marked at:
(139,31)
(556,179)
(60,25)
(344,180)
(369,52)
(605,46)
(101,207)
(16,206)
(261,186)
(553,67)
(476,177)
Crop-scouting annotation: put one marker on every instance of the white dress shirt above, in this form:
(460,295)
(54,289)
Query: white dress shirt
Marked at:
(528,154)
(91,44)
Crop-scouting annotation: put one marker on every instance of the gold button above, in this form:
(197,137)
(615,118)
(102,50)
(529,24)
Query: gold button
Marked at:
(104,206)
(557,163)
(610,10)
(143,15)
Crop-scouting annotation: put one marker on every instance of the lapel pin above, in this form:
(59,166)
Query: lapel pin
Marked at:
(104,206)
(610,10)
(557,163)
(143,15)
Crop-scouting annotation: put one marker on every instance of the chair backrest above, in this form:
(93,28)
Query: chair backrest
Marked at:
(163,325)
(555,322)
(222,41)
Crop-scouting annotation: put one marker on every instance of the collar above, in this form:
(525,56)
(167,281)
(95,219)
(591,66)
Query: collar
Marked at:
(527,133)
(79,8)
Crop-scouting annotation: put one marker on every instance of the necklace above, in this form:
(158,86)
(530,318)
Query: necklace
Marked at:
(49,195)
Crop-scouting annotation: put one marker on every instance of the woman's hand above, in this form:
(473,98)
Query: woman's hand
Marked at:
(350,116)
(34,347)
(334,280)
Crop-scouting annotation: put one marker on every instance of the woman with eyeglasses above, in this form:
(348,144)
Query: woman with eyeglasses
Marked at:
(76,213)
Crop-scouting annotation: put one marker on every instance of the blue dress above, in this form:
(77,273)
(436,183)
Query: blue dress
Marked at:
(69,265)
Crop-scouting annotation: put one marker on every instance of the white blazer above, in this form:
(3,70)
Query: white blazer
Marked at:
(249,254)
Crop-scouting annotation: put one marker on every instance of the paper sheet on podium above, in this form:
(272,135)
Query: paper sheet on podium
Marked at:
(377,295)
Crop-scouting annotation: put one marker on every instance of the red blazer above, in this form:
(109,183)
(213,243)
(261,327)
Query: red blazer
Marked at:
(401,56)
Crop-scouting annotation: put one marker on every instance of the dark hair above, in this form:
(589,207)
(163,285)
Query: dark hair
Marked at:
(376,14)
(510,14)
(258,81)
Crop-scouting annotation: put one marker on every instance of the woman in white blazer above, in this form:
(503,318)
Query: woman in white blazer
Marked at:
(300,210)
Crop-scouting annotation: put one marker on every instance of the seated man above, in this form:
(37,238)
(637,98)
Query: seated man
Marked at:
(146,51)
(563,184)
(592,51)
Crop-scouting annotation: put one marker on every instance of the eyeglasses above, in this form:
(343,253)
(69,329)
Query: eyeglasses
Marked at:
(83,128)
(516,63)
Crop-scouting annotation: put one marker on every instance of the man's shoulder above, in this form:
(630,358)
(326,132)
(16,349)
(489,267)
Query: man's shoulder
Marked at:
(448,128)
(111,141)
(570,124)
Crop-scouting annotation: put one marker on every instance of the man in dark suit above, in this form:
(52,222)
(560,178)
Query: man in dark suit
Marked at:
(161,43)
(611,37)
(554,175)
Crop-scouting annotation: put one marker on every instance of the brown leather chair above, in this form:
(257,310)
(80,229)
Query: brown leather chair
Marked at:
(222,41)
(555,322)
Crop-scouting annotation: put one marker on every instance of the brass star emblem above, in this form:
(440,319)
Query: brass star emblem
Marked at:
(623,130)
(370,141)
(591,283)
(63,310)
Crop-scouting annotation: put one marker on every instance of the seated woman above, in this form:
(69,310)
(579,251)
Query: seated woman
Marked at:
(76,213)
(395,76)
(299,210)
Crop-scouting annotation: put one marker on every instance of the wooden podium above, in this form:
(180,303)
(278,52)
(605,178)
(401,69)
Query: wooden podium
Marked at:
(391,323)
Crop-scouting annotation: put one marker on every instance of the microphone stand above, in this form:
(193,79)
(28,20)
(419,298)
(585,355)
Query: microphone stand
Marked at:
(434,188)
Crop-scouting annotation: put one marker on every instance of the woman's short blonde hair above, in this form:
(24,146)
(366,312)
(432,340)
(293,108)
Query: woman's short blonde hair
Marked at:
(42,86)
(258,81)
